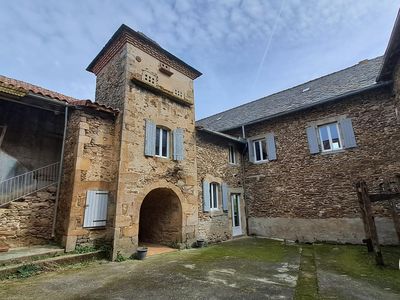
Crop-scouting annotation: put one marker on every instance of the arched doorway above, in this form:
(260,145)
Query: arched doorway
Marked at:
(160,220)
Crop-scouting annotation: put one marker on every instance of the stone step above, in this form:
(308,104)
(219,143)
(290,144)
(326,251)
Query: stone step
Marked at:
(50,262)
(28,254)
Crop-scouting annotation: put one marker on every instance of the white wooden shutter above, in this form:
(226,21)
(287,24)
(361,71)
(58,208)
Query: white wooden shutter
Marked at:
(271,149)
(251,150)
(178,144)
(225,192)
(150,139)
(206,196)
(96,209)
(349,139)
(312,139)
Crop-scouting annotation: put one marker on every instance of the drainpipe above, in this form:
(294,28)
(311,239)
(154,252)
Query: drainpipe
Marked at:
(244,184)
(60,172)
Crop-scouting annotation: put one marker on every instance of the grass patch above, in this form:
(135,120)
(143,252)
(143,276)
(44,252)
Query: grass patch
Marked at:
(26,271)
(356,262)
(257,249)
(307,283)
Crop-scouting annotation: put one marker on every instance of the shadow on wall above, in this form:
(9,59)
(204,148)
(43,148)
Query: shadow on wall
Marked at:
(9,166)
(161,218)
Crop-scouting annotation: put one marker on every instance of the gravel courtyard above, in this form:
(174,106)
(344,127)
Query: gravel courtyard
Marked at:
(248,268)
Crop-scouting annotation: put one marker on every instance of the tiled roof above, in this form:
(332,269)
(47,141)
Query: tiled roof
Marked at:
(311,93)
(25,87)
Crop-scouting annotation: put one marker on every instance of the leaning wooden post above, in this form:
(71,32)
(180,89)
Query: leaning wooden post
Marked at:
(371,222)
(367,239)
(395,215)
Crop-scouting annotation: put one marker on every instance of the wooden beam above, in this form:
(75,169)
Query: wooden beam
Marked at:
(384,196)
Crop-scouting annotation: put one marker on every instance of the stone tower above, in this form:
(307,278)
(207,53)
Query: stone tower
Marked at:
(155,189)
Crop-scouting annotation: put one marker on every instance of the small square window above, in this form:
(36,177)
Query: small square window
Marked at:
(260,150)
(330,137)
(232,155)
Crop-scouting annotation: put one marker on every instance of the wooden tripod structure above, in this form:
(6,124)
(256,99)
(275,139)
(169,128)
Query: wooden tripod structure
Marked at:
(390,191)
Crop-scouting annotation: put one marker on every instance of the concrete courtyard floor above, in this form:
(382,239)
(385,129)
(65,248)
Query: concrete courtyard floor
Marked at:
(248,268)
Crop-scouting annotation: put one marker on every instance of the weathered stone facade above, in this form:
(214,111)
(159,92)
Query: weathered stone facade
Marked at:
(28,221)
(120,85)
(308,197)
(213,166)
(89,164)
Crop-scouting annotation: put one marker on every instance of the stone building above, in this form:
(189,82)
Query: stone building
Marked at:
(135,168)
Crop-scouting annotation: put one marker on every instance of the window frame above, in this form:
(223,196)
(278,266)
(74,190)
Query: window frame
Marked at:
(321,141)
(214,186)
(260,149)
(158,152)
(232,155)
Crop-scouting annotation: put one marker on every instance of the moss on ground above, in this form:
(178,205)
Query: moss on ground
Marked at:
(307,283)
(256,249)
(357,263)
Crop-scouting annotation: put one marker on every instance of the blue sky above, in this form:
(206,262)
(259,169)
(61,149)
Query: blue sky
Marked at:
(246,49)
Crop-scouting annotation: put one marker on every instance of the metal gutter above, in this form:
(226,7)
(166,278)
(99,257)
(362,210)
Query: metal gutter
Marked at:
(60,172)
(327,100)
(44,98)
(223,135)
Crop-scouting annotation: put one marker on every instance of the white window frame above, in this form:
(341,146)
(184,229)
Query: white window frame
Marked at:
(232,155)
(259,141)
(327,125)
(214,205)
(158,152)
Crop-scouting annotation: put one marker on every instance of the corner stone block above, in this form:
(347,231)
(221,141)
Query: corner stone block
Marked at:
(82,164)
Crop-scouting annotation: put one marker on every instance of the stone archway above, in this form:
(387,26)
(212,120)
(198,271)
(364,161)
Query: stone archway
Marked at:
(160,219)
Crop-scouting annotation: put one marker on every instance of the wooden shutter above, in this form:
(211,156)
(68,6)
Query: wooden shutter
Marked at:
(96,209)
(225,192)
(150,138)
(271,149)
(178,144)
(206,196)
(251,150)
(346,128)
(312,139)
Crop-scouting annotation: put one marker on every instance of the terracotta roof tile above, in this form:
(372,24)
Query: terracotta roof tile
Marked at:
(37,90)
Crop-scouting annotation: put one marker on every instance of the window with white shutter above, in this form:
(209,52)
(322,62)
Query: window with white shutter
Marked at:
(96,209)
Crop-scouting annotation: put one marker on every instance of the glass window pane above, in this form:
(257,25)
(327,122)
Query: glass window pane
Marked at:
(257,150)
(215,196)
(157,141)
(335,136)
(323,130)
(264,149)
(164,142)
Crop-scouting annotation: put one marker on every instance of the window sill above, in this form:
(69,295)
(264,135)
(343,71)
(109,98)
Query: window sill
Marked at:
(260,162)
(332,152)
(233,165)
(216,213)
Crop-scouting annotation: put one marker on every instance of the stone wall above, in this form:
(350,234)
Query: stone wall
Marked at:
(138,175)
(89,164)
(301,186)
(29,220)
(213,165)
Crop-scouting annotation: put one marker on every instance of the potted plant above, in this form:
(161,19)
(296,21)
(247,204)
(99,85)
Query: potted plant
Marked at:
(141,253)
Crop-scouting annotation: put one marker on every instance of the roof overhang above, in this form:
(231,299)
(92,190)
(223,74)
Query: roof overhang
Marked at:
(392,53)
(124,35)
(222,135)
